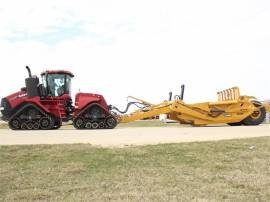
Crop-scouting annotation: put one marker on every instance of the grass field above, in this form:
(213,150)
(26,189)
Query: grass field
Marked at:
(236,170)
(3,126)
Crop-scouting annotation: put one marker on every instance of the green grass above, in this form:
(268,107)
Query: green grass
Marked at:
(3,126)
(235,170)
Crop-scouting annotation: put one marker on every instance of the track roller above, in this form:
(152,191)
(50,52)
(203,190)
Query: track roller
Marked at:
(101,125)
(36,126)
(95,125)
(88,125)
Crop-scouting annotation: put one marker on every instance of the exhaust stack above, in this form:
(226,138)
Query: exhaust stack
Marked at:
(29,71)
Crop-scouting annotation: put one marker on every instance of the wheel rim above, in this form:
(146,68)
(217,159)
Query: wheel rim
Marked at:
(24,126)
(256,114)
(88,125)
(111,122)
(15,124)
(79,123)
(94,125)
(36,126)
(101,125)
(45,123)
(29,126)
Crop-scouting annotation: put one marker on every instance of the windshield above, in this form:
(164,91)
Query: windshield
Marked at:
(57,84)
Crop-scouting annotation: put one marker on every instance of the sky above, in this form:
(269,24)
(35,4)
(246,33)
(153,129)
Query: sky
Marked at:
(143,48)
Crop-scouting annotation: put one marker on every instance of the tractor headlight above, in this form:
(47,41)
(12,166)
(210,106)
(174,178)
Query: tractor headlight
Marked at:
(5,107)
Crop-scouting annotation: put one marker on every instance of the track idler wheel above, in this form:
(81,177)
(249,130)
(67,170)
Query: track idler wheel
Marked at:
(79,123)
(46,123)
(15,124)
(110,122)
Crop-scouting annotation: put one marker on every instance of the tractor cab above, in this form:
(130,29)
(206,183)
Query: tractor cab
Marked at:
(57,83)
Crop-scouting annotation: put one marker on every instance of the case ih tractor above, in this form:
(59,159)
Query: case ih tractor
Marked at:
(47,104)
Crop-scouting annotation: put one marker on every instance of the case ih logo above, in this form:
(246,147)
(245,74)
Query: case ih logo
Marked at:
(19,96)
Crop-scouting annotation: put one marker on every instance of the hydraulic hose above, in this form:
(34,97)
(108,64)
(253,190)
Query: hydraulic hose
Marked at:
(128,106)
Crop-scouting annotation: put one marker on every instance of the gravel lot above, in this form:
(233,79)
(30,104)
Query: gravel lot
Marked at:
(121,137)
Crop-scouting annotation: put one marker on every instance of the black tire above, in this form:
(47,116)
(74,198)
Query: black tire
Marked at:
(46,123)
(78,123)
(57,124)
(14,124)
(111,122)
(256,118)
(235,124)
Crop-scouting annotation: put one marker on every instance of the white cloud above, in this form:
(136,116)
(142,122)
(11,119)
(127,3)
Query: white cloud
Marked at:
(140,48)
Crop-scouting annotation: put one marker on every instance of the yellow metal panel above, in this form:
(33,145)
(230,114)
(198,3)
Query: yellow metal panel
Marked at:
(267,107)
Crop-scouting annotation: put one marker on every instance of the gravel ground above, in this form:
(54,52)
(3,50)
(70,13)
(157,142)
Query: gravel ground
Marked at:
(121,137)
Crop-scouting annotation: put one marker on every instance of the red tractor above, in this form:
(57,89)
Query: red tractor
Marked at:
(45,105)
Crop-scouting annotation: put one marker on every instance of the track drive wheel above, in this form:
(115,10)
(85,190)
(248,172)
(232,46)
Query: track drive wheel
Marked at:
(46,123)
(256,118)
(111,122)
